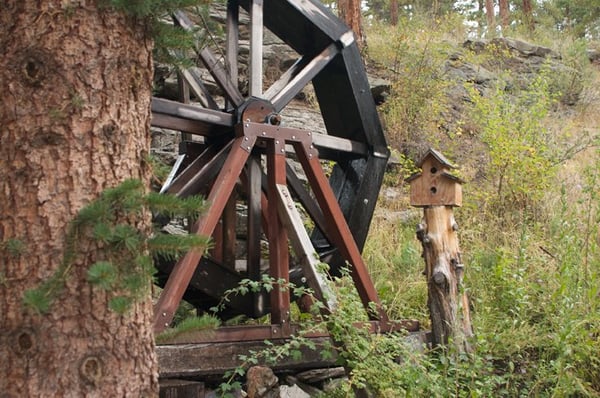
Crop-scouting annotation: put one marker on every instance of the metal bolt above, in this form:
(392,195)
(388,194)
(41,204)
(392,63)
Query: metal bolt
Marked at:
(248,147)
(366,201)
(264,133)
(245,138)
(277,142)
(274,331)
(247,125)
(167,324)
(282,150)
(293,137)
(164,314)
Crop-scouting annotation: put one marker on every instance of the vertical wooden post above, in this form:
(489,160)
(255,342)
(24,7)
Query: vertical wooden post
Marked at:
(438,191)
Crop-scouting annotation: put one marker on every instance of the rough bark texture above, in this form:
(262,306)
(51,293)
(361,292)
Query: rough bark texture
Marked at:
(490,16)
(448,306)
(74,116)
(528,14)
(394,12)
(504,13)
(350,13)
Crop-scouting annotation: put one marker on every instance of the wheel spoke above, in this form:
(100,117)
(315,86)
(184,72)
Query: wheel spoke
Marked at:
(233,33)
(298,76)
(256,48)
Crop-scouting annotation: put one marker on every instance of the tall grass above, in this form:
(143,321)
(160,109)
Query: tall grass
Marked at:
(532,276)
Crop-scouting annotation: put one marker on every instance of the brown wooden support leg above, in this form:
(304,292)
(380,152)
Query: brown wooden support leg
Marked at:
(216,250)
(278,240)
(229,232)
(184,269)
(339,231)
(254,194)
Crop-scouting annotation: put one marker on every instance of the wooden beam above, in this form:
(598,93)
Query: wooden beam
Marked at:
(303,248)
(340,232)
(191,112)
(214,359)
(298,77)
(232,39)
(221,76)
(256,49)
(183,271)
(278,239)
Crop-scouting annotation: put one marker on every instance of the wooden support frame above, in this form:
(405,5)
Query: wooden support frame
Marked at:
(340,209)
(275,138)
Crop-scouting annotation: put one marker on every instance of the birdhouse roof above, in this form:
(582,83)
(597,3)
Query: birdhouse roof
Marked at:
(438,156)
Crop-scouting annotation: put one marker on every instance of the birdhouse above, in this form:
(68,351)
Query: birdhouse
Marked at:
(435,185)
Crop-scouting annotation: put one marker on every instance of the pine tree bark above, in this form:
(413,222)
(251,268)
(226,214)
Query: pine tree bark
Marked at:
(349,12)
(504,13)
(76,87)
(490,16)
(528,15)
(394,12)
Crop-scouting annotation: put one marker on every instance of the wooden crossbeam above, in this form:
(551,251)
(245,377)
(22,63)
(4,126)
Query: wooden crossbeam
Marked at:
(184,269)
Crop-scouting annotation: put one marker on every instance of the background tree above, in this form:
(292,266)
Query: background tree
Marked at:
(490,16)
(504,13)
(581,17)
(528,14)
(350,12)
(394,12)
(76,80)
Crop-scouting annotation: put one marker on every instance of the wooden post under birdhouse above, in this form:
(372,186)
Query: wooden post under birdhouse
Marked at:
(438,192)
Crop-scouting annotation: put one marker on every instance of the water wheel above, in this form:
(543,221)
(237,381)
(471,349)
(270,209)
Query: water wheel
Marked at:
(238,153)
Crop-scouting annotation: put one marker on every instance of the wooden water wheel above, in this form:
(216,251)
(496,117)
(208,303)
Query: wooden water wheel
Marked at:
(238,156)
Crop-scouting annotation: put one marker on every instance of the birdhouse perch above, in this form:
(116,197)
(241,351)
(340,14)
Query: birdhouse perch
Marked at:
(435,185)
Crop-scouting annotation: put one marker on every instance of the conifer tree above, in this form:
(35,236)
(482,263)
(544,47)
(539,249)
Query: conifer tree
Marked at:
(76,80)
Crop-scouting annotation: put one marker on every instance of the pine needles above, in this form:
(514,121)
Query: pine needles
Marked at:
(113,223)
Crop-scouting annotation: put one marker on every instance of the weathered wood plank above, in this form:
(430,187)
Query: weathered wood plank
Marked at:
(211,359)
(174,388)
(191,112)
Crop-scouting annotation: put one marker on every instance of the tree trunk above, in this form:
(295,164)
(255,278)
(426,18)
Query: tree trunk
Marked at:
(504,14)
(490,16)
(528,15)
(350,13)
(448,305)
(394,12)
(76,85)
